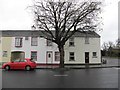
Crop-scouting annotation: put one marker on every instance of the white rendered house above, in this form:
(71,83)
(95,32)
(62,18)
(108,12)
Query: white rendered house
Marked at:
(80,49)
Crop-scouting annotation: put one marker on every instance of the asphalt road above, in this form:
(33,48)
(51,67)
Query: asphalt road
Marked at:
(73,78)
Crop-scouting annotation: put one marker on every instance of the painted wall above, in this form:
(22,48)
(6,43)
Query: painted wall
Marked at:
(5,46)
(79,49)
(41,49)
(0,49)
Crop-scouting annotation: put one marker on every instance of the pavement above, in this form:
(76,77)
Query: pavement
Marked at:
(111,63)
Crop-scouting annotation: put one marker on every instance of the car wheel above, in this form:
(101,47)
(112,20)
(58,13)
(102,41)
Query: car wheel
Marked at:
(7,67)
(28,68)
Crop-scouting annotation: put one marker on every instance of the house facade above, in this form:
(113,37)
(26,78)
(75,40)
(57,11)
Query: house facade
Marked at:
(5,49)
(82,48)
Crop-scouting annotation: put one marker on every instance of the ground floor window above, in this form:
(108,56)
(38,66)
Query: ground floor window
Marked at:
(34,55)
(95,54)
(71,56)
(57,56)
(4,53)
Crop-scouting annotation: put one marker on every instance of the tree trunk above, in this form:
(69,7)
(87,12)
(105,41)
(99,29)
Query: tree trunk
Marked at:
(61,50)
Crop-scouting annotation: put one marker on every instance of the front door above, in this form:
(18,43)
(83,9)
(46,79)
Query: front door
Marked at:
(49,57)
(86,57)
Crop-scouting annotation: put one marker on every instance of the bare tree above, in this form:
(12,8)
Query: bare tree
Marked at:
(105,46)
(59,20)
(117,43)
(111,46)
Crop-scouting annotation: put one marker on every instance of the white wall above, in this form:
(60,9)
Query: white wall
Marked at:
(79,49)
(41,49)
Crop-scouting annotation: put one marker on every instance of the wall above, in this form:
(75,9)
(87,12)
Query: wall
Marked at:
(80,49)
(41,49)
(6,46)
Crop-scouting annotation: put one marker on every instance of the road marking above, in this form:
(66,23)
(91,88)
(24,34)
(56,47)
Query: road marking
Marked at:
(61,75)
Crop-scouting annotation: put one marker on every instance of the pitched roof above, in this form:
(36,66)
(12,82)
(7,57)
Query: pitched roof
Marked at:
(24,33)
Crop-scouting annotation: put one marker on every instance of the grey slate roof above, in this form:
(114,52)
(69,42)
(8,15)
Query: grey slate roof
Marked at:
(27,33)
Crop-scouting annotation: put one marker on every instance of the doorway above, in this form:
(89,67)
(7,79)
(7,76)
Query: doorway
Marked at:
(86,57)
(49,57)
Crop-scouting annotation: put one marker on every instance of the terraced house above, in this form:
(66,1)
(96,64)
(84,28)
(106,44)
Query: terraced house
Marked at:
(5,49)
(82,48)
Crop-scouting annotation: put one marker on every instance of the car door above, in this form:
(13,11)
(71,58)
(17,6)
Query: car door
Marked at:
(22,64)
(15,64)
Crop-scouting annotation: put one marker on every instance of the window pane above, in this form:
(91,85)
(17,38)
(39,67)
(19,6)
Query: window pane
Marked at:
(34,41)
(57,56)
(4,53)
(49,43)
(71,41)
(94,54)
(86,40)
(71,56)
(18,42)
(34,56)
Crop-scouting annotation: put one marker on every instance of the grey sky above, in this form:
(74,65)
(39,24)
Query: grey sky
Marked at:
(14,15)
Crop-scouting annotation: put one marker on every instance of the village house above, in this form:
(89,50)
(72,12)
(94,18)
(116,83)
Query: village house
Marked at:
(5,49)
(81,48)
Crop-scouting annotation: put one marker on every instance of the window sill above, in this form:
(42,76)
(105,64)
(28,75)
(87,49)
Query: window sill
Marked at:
(94,57)
(34,45)
(71,45)
(72,60)
(18,46)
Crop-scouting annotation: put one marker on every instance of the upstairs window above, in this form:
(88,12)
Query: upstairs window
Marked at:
(34,41)
(86,40)
(49,43)
(18,42)
(71,41)
(0,40)
(26,38)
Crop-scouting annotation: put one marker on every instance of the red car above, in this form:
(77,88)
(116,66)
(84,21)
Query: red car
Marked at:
(26,64)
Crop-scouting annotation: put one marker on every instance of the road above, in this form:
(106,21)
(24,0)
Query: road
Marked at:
(73,78)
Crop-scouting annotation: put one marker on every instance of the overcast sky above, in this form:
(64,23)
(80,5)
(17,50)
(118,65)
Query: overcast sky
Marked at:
(14,15)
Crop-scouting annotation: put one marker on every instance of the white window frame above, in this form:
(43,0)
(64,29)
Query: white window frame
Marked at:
(0,39)
(49,43)
(71,42)
(26,38)
(71,56)
(5,53)
(87,41)
(34,41)
(35,57)
(57,56)
(94,54)
(18,41)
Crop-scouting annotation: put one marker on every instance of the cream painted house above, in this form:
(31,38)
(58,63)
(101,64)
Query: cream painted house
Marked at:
(82,48)
(5,49)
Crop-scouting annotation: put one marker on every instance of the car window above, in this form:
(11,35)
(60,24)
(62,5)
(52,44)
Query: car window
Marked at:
(17,60)
(32,60)
(23,61)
